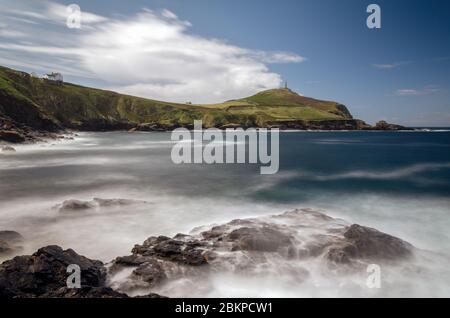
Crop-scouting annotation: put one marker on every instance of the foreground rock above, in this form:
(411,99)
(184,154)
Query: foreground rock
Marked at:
(44,272)
(10,242)
(276,246)
(254,247)
(44,275)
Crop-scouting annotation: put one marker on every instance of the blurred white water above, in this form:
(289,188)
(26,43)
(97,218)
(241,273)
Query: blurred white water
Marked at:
(180,198)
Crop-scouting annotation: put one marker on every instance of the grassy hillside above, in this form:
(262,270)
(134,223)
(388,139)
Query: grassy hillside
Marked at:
(40,103)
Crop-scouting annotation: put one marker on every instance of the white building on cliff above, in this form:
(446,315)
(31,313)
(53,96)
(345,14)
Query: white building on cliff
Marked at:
(57,77)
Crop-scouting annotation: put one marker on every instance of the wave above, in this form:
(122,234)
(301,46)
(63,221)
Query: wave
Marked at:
(386,175)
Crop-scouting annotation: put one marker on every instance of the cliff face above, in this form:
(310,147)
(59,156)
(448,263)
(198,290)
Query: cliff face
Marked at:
(30,105)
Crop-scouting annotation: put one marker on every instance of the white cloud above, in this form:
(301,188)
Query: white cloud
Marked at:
(45,11)
(59,13)
(407,92)
(419,92)
(391,65)
(169,14)
(277,57)
(150,54)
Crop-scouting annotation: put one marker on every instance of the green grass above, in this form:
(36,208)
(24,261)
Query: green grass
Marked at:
(72,105)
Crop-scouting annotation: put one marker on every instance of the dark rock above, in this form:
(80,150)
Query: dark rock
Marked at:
(11,236)
(342,255)
(9,241)
(251,246)
(230,126)
(150,272)
(11,136)
(372,243)
(383,125)
(5,248)
(75,205)
(131,260)
(116,202)
(263,239)
(8,149)
(173,250)
(84,292)
(46,271)
(151,295)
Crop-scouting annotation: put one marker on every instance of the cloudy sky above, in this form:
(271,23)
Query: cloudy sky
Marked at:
(214,50)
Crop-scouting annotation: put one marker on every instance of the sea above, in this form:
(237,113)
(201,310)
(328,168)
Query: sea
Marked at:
(396,182)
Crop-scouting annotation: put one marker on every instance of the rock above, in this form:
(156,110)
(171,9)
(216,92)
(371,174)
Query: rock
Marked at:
(363,243)
(116,202)
(84,292)
(131,260)
(45,272)
(8,149)
(151,273)
(258,246)
(230,126)
(9,242)
(75,205)
(151,295)
(11,136)
(11,236)
(263,239)
(5,248)
(383,125)
(183,252)
(372,243)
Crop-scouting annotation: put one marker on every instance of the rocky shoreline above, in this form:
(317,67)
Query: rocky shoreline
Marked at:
(243,246)
(337,125)
(13,133)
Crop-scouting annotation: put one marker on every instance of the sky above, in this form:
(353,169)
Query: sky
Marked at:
(206,51)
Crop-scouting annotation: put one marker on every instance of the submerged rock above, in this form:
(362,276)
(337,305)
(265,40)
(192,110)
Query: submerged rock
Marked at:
(8,149)
(10,242)
(78,205)
(5,248)
(11,236)
(75,205)
(116,202)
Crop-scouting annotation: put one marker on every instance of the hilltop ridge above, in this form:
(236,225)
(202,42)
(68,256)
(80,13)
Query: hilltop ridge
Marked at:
(30,106)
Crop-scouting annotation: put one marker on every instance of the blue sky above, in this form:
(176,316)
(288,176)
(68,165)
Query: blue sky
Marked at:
(214,50)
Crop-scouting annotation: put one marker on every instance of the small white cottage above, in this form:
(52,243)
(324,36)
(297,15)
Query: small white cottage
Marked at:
(57,77)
